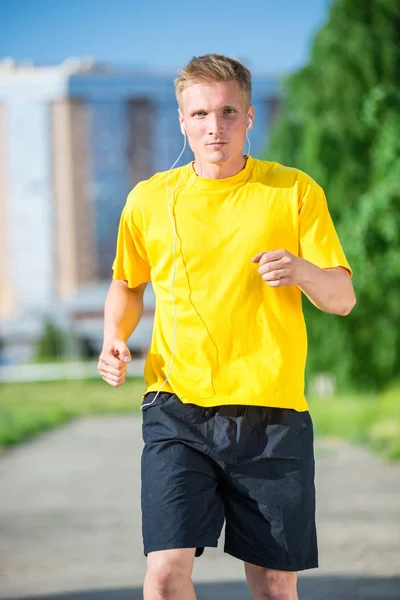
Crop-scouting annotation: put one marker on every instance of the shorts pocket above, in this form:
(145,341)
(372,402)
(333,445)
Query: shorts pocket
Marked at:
(151,399)
(187,411)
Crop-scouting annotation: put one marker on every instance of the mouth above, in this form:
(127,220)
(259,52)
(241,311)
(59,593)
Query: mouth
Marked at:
(217,144)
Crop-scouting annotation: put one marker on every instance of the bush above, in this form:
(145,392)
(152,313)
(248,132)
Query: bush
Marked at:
(53,343)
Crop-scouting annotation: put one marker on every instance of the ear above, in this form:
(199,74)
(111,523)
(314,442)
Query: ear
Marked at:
(250,117)
(181,122)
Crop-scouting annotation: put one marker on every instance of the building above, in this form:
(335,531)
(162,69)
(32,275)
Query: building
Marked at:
(74,140)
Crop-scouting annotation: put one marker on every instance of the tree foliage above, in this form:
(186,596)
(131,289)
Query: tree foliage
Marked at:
(341,124)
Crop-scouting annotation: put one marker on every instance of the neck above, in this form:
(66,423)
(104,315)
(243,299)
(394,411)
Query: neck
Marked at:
(219,171)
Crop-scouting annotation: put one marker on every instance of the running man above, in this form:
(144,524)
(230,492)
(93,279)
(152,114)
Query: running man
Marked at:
(229,437)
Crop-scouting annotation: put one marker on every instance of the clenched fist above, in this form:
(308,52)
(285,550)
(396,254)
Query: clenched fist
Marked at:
(112,362)
(279,267)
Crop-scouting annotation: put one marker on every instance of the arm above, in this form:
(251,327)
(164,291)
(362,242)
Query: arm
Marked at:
(321,269)
(330,290)
(122,312)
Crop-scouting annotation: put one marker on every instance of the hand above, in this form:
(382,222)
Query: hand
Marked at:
(112,362)
(279,267)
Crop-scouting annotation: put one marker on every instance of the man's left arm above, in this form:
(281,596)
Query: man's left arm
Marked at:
(329,289)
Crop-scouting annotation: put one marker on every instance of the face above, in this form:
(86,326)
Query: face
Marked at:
(215,116)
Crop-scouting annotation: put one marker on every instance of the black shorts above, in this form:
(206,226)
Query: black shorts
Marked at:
(252,466)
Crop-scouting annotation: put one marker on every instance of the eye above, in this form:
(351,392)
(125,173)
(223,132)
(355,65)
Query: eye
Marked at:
(229,111)
(200,113)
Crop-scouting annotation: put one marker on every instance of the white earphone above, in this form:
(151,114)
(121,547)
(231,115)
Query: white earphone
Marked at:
(169,202)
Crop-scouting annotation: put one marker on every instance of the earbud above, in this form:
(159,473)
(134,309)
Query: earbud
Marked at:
(183,129)
(249,123)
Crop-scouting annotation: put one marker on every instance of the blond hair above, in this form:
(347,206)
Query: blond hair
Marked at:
(214,67)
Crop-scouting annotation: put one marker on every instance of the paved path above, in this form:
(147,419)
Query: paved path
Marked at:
(70,522)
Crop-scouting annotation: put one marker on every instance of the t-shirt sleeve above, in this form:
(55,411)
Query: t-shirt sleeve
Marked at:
(131,262)
(318,240)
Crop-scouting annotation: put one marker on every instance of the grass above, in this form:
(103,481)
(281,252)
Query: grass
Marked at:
(372,421)
(29,408)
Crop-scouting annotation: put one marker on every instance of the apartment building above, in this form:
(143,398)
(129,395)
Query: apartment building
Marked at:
(74,140)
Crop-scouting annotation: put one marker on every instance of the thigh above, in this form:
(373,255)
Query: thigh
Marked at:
(181,502)
(270,496)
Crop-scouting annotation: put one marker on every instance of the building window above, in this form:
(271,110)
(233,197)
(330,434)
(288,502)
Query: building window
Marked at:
(140,159)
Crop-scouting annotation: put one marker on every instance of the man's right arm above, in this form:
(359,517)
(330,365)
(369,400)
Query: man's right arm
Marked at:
(122,312)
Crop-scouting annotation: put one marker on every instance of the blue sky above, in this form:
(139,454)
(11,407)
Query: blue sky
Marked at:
(270,36)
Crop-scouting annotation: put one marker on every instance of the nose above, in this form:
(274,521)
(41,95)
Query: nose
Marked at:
(215,126)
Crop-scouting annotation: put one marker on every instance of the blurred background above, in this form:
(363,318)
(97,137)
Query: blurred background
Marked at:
(87,110)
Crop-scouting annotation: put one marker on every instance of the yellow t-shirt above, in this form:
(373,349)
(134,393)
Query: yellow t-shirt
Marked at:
(238,341)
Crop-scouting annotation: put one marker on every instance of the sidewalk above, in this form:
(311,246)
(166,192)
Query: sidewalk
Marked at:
(70,521)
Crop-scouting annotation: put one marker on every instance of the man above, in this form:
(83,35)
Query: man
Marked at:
(229,436)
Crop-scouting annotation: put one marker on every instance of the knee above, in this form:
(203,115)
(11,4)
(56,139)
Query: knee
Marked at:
(168,572)
(278,594)
(165,579)
(281,586)
(268,584)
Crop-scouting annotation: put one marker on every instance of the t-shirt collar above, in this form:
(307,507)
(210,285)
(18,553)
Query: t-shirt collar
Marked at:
(221,184)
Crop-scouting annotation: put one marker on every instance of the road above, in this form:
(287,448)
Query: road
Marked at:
(70,521)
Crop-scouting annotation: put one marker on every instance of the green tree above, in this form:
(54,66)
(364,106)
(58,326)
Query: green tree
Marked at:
(341,124)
